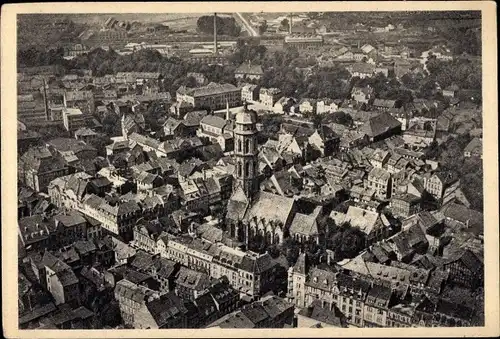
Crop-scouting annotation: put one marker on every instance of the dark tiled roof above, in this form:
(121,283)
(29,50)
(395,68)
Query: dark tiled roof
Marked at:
(380,124)
(249,69)
(166,308)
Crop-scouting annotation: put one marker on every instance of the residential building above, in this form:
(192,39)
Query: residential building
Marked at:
(248,71)
(381,127)
(73,119)
(474,148)
(269,96)
(380,181)
(250,93)
(327,106)
(405,204)
(362,94)
(131,299)
(39,166)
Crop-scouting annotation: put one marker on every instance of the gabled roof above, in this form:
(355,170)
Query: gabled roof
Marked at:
(380,124)
(271,207)
(247,68)
(363,219)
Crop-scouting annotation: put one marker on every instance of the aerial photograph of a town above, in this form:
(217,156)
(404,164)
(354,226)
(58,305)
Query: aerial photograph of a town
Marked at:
(250,170)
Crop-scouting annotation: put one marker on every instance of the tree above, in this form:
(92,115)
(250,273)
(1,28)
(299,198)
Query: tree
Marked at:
(225,25)
(342,118)
(285,23)
(263,27)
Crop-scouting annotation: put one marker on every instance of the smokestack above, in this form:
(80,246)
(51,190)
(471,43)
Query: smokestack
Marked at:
(215,34)
(290,24)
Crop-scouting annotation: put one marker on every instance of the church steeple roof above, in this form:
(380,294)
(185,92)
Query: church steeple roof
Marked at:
(302,264)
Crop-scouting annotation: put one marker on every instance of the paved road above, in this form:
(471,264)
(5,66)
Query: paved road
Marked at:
(247,25)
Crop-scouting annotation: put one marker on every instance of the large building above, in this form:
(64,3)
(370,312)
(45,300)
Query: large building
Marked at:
(213,96)
(304,41)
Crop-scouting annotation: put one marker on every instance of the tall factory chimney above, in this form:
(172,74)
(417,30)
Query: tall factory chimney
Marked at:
(290,24)
(215,35)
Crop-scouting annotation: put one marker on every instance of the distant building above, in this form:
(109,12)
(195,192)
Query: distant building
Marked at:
(362,94)
(248,71)
(474,148)
(306,41)
(213,96)
(269,96)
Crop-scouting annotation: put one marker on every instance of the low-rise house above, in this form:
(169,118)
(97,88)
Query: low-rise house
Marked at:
(327,106)
(307,105)
(361,70)
(384,105)
(451,91)
(381,127)
(380,158)
(269,96)
(200,78)
(362,94)
(248,71)
(420,134)
(465,269)
(284,104)
(474,148)
(85,134)
(147,181)
(321,314)
(325,140)
(405,204)
(166,311)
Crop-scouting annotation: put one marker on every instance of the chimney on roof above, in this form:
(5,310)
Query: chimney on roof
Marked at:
(290,24)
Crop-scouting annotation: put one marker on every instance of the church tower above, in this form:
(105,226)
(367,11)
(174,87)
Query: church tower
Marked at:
(245,153)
